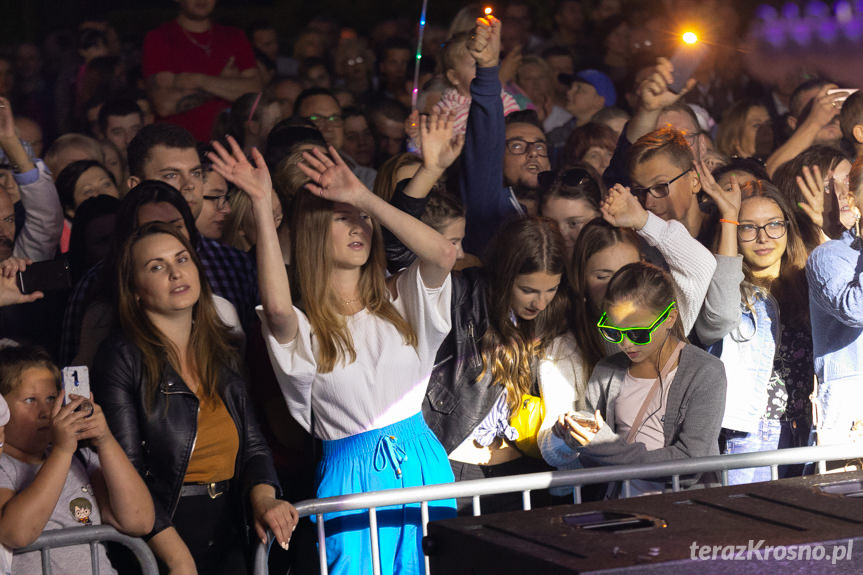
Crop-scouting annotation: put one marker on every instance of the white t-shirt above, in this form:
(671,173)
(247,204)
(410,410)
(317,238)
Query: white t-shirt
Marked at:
(388,380)
(76,507)
(628,403)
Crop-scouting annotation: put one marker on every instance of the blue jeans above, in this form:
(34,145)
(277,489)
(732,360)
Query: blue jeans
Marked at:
(766,438)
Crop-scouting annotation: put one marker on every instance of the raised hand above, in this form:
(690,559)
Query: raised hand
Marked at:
(811,185)
(623,210)
(654,93)
(484,45)
(7,121)
(235,168)
(728,202)
(331,178)
(439,147)
(825,106)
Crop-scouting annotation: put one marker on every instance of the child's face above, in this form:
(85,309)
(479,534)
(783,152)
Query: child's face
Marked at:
(31,404)
(464,72)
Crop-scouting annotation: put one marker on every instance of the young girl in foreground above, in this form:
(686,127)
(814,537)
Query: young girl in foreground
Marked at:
(354,365)
(47,482)
(660,398)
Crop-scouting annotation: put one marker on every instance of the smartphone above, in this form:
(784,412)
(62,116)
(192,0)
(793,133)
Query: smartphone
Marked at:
(51,275)
(843,93)
(686,61)
(76,380)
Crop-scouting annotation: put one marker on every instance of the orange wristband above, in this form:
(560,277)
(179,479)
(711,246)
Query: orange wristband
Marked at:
(724,221)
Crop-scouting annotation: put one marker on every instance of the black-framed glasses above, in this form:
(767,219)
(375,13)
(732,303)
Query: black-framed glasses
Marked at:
(520,147)
(332,120)
(637,335)
(221,200)
(570,178)
(774,230)
(658,190)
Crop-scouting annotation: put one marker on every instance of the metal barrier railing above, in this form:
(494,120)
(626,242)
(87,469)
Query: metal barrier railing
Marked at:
(91,536)
(535,481)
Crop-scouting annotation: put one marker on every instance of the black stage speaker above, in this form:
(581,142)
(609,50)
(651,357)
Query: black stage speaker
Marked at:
(805,525)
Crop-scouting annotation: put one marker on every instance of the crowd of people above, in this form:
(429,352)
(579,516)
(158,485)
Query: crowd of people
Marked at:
(313,275)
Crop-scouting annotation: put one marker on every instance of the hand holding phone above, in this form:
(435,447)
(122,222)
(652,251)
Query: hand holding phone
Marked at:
(76,381)
(685,61)
(45,276)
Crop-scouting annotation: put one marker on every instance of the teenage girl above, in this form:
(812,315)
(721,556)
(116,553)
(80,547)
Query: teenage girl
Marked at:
(354,364)
(659,398)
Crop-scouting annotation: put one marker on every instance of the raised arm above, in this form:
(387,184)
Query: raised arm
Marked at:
(653,96)
(824,108)
(439,150)
(334,181)
(485,199)
(272,276)
(43,216)
(690,264)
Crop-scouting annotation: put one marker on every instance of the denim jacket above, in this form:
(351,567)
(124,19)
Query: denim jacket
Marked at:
(747,354)
(836,308)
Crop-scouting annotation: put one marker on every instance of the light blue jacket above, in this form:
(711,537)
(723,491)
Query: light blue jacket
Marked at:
(834,273)
(747,354)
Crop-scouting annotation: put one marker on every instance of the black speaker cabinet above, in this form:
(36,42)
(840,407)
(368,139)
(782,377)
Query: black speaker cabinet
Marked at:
(804,525)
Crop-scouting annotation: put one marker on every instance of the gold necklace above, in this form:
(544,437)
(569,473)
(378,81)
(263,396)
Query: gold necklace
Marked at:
(350,301)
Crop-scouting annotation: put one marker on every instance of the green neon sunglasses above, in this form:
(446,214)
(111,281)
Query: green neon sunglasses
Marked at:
(637,335)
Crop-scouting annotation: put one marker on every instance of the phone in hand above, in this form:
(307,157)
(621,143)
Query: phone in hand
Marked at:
(76,381)
(685,61)
(46,276)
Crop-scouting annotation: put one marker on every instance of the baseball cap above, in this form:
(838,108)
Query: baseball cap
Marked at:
(600,82)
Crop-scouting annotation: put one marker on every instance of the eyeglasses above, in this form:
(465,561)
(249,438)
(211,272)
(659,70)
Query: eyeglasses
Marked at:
(570,178)
(637,335)
(333,120)
(658,190)
(774,230)
(520,147)
(221,201)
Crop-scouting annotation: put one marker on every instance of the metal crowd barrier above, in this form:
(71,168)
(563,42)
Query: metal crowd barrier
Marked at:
(91,536)
(526,483)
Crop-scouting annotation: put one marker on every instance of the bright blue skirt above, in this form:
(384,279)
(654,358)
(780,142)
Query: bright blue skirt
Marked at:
(404,454)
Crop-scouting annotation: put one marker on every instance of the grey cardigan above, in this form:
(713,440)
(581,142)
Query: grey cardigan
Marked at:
(693,414)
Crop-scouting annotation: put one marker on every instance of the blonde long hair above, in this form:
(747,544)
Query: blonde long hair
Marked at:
(311,242)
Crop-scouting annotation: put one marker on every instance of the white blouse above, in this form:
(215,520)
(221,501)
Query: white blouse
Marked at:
(388,380)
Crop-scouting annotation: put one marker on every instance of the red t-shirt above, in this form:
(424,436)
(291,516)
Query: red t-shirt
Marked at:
(170,48)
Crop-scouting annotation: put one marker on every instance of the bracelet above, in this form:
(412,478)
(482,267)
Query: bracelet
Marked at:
(724,221)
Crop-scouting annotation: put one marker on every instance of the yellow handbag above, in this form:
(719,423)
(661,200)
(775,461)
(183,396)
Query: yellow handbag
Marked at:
(527,421)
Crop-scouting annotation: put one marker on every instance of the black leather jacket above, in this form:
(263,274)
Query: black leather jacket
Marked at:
(455,402)
(158,436)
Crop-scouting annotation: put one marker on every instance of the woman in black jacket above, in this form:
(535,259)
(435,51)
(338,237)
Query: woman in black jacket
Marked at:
(177,405)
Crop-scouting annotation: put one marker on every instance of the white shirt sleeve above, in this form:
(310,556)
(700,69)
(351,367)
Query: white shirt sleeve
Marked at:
(691,265)
(562,385)
(295,366)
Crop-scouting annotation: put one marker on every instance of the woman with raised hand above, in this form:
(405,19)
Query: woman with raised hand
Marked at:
(768,356)
(354,364)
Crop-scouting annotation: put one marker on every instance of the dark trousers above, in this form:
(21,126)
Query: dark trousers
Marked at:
(211,530)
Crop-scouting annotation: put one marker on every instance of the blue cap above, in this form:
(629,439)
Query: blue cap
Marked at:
(600,82)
